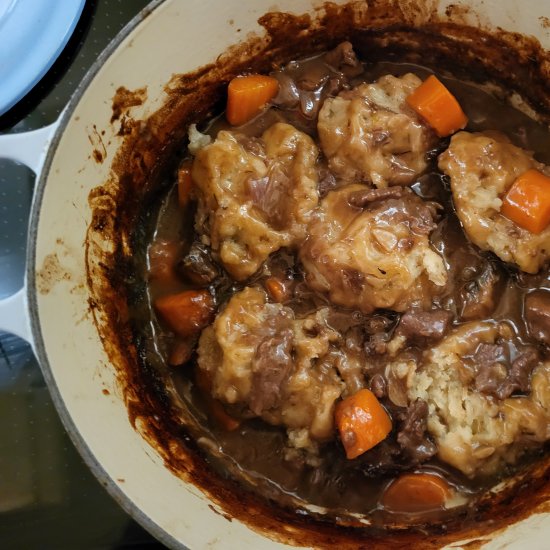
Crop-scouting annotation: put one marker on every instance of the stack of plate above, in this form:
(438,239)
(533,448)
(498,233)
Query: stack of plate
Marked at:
(32,33)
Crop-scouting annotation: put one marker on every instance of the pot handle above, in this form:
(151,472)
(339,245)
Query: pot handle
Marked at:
(14,315)
(28,148)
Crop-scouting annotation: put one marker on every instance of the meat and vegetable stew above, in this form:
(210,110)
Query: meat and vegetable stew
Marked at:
(348,279)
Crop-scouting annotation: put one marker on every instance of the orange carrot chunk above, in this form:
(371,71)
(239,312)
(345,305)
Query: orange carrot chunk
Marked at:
(276,289)
(246,95)
(438,107)
(187,312)
(220,416)
(362,422)
(181,352)
(185,183)
(416,493)
(527,202)
(213,406)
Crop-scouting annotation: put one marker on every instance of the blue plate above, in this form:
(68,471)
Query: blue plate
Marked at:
(32,35)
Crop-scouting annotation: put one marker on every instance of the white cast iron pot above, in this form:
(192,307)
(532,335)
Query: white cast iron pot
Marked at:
(172,36)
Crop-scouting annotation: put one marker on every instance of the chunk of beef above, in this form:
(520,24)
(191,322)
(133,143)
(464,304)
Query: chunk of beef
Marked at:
(288,95)
(488,354)
(310,103)
(327,181)
(386,457)
(490,368)
(522,367)
(163,255)
(375,324)
(335,85)
(350,366)
(378,385)
(197,266)
(419,326)
(519,376)
(313,79)
(414,448)
(493,377)
(537,315)
(270,367)
(253,145)
(343,321)
(490,377)
(378,329)
(478,297)
(343,59)
(366,196)
(376,344)
(398,376)
(268,193)
(181,351)
(412,436)
(420,216)
(307,86)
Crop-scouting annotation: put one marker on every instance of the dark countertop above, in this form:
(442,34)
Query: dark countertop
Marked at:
(48,497)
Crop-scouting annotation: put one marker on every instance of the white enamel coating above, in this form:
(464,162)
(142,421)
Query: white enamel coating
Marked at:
(178,36)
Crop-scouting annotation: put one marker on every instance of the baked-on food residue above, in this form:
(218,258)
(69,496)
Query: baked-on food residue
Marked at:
(125,99)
